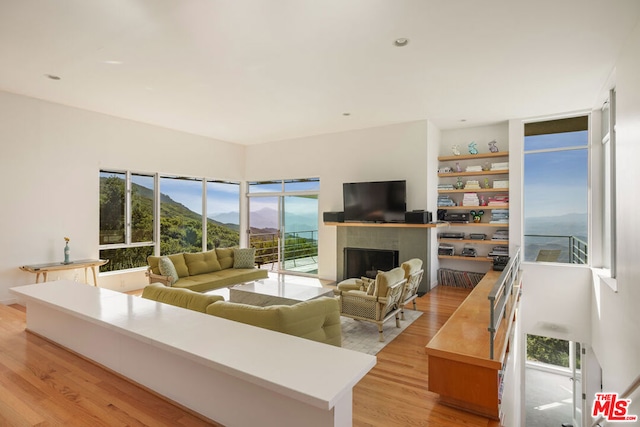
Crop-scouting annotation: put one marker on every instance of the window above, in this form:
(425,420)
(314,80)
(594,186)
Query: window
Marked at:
(609,184)
(556,190)
(126,219)
(179,211)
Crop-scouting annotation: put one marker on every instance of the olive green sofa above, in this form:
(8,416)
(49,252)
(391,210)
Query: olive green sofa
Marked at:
(316,320)
(204,271)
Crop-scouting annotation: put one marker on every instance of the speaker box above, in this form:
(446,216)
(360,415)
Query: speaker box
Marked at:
(333,216)
(418,217)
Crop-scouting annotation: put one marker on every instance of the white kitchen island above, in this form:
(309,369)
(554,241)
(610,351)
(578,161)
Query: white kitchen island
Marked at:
(229,372)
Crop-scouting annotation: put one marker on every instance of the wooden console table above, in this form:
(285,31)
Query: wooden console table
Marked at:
(43,269)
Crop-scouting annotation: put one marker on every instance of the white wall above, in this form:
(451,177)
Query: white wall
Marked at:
(616,316)
(376,154)
(51,156)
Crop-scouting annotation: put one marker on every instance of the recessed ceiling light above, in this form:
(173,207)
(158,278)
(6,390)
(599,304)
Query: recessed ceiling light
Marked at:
(113,62)
(346,114)
(463,120)
(401,42)
(52,76)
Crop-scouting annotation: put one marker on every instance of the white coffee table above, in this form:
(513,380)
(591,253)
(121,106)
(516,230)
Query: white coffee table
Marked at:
(275,292)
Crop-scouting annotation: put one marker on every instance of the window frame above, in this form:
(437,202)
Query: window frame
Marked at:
(156,242)
(588,147)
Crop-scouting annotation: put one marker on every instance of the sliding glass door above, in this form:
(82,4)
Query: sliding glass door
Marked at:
(283,224)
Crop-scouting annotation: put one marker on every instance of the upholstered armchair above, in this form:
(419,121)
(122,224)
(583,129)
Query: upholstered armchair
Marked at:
(413,273)
(378,306)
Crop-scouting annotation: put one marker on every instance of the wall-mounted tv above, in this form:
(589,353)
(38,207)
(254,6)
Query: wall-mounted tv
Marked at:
(382,201)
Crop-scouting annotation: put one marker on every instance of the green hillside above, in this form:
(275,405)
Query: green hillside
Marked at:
(180,227)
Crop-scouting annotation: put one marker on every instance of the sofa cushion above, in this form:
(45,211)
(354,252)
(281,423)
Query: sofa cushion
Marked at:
(411,266)
(179,297)
(225,257)
(221,279)
(176,259)
(202,262)
(167,268)
(244,257)
(386,279)
(317,320)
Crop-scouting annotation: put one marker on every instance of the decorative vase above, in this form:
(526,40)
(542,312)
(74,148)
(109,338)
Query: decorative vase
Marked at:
(459,184)
(66,253)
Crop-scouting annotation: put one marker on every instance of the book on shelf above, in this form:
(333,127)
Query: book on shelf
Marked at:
(499,216)
(445,201)
(472,184)
(470,199)
(473,169)
(500,166)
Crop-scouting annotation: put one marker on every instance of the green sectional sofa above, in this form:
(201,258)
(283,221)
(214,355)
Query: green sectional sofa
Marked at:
(204,271)
(316,320)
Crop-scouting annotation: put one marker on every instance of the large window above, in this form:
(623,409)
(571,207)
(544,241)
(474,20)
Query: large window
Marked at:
(556,191)
(139,218)
(126,219)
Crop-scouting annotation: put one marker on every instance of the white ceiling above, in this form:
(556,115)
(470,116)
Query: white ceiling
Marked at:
(252,71)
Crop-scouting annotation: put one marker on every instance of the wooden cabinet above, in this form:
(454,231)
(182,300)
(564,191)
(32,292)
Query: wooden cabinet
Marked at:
(489,172)
(469,355)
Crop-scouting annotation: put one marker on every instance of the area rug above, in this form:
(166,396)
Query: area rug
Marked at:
(363,336)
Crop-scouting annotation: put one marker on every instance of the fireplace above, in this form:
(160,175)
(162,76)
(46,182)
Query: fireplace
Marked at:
(361,262)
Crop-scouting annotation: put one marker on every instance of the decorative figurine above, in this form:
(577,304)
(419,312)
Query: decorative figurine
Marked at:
(473,149)
(492,146)
(486,183)
(477,215)
(486,166)
(458,168)
(483,202)
(456,150)
(459,184)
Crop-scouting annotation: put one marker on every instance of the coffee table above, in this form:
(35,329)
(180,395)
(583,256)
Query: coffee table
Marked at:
(275,292)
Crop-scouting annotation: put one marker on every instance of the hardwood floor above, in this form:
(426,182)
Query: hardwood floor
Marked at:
(43,384)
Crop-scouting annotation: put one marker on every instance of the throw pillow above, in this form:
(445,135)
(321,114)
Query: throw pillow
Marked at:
(244,258)
(166,267)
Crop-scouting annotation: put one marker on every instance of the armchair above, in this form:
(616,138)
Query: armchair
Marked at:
(379,306)
(413,273)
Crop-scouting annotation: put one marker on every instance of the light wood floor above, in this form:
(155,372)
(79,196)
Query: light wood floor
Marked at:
(43,384)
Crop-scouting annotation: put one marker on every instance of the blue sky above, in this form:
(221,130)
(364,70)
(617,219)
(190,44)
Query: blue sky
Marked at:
(556,183)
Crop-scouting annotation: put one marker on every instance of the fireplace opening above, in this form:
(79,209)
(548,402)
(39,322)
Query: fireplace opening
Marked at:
(360,262)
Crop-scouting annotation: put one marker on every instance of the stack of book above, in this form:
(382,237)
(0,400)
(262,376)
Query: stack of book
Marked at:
(499,200)
(500,235)
(472,185)
(444,200)
(445,187)
(474,169)
(499,166)
(470,199)
(500,216)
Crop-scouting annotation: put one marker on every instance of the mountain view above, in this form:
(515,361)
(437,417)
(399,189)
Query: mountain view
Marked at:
(181,228)
(267,219)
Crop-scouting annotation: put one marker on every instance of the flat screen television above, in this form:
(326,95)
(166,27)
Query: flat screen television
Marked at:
(382,201)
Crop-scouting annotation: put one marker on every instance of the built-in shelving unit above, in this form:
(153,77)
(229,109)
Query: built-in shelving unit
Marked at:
(452,170)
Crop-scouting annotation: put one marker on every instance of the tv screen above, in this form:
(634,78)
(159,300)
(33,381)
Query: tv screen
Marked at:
(383,201)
